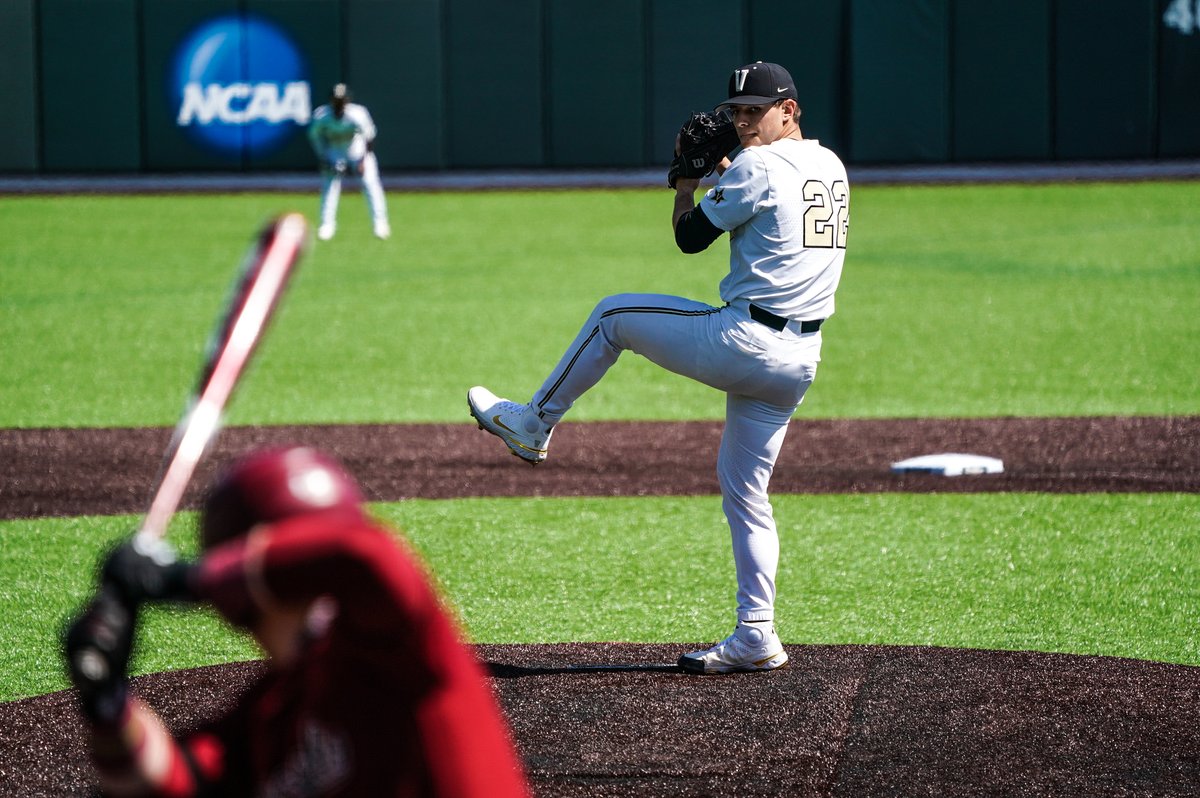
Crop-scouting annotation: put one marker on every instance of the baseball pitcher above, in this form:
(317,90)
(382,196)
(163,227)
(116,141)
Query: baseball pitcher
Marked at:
(784,200)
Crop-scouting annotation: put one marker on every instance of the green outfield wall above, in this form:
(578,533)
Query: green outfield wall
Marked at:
(95,86)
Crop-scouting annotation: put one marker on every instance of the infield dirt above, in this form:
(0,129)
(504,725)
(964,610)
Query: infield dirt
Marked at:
(602,719)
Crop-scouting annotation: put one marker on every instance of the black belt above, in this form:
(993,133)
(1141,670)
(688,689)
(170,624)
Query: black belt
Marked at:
(777,323)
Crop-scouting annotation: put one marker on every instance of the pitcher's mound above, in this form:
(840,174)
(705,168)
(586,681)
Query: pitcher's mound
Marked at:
(618,719)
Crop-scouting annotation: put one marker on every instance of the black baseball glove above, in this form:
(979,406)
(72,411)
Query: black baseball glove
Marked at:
(99,640)
(704,140)
(140,571)
(98,644)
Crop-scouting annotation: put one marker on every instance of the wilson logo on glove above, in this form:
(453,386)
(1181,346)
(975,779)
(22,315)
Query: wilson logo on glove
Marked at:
(704,140)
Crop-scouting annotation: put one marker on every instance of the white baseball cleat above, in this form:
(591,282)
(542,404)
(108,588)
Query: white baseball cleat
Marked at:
(751,647)
(383,231)
(525,435)
(325,232)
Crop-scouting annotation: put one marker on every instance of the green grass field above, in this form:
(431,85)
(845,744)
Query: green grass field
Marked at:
(957,301)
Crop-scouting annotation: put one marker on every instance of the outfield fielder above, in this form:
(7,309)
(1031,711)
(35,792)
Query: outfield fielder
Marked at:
(784,200)
(342,135)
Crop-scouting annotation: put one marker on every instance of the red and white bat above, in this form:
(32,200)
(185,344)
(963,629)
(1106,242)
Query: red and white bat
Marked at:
(262,278)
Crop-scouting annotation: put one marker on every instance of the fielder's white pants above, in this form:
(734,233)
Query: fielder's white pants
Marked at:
(764,374)
(331,191)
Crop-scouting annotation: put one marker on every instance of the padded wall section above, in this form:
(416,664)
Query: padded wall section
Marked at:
(1002,80)
(19,133)
(495,83)
(90,97)
(900,73)
(1105,73)
(596,82)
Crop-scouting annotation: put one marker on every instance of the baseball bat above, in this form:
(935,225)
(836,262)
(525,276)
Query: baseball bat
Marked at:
(261,280)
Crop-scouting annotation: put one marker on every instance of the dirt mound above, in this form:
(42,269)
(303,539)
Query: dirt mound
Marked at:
(620,720)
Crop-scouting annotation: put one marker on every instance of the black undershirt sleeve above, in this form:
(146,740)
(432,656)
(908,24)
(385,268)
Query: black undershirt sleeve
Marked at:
(695,232)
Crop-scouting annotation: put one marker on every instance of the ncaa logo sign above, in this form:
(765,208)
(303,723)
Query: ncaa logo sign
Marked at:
(240,85)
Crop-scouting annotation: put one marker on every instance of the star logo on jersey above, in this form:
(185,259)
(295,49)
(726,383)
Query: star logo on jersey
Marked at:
(716,195)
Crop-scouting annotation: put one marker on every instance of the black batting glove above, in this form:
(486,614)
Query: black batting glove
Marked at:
(138,571)
(97,645)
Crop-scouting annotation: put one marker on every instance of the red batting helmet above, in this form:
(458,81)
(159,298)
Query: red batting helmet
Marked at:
(273,485)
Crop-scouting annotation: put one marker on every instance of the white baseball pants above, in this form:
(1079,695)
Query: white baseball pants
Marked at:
(764,374)
(331,191)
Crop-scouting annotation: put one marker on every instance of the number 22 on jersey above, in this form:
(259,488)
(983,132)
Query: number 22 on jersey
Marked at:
(827,219)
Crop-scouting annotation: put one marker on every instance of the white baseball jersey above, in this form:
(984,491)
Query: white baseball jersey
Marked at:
(336,139)
(342,143)
(786,207)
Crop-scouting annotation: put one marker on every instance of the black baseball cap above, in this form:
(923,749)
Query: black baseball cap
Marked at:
(759,84)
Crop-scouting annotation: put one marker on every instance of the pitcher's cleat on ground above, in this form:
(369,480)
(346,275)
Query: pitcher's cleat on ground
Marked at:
(525,435)
(751,647)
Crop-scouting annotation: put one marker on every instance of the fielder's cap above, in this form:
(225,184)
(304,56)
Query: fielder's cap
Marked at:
(760,83)
(340,92)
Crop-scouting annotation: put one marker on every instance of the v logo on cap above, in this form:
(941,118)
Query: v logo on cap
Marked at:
(760,83)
